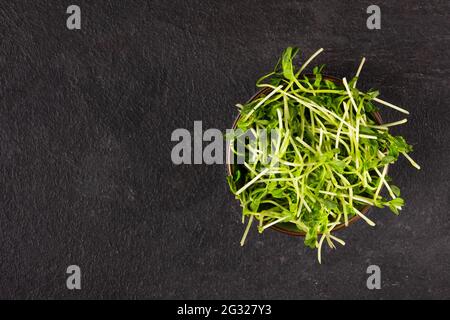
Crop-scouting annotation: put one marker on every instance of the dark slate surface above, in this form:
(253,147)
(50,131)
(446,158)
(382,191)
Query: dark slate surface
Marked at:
(86,175)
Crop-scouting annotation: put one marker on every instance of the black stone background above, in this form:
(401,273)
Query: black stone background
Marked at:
(86,176)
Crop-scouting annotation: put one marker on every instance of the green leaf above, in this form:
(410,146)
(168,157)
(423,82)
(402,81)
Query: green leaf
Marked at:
(395,190)
(394,209)
(366,130)
(231,184)
(397,202)
(330,85)
(254,205)
(388,159)
(286,62)
(338,165)
(311,238)
(272,186)
(318,80)
(278,193)
(237,175)
(371,94)
(292,207)
(331,205)
(397,145)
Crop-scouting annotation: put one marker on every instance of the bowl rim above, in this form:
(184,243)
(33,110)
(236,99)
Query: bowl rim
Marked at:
(277,227)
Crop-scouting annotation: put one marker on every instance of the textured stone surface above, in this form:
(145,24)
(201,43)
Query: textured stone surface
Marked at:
(86,176)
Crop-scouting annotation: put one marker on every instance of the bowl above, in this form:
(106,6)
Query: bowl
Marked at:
(287,227)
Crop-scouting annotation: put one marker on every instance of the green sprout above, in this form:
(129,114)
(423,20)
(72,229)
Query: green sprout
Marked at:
(329,160)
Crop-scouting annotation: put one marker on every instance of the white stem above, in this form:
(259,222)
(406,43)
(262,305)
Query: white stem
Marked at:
(391,105)
(319,249)
(307,146)
(274,222)
(414,164)
(262,101)
(350,94)
(244,236)
(391,124)
(320,139)
(391,193)
(359,71)
(383,174)
(341,242)
(309,61)
(369,222)
(253,181)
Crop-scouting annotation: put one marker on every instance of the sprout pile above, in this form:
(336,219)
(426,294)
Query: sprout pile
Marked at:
(328,161)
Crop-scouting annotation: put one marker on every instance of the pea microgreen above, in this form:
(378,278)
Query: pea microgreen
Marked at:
(330,157)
